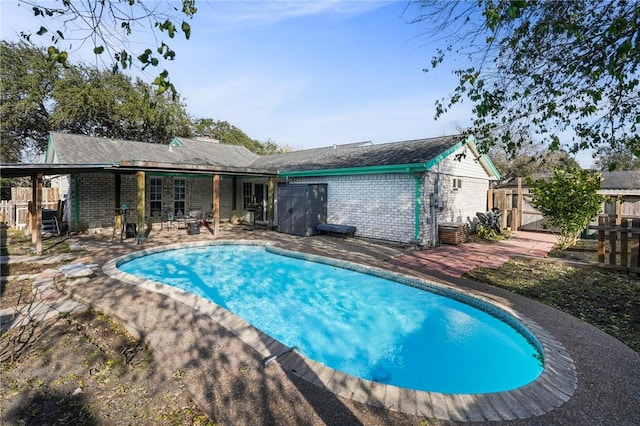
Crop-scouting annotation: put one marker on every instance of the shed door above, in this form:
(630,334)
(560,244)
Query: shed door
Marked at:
(284,209)
(299,210)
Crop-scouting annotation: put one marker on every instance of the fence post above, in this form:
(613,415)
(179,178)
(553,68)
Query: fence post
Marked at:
(618,211)
(635,251)
(613,235)
(624,242)
(601,222)
(515,219)
(519,204)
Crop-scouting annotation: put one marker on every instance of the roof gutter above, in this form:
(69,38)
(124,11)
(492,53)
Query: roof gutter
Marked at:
(188,169)
(393,168)
(434,161)
(368,170)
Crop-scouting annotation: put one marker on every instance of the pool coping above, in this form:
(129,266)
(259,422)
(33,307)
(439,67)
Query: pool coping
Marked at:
(555,385)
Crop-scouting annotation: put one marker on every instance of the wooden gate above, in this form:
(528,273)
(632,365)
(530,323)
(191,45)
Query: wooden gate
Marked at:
(517,211)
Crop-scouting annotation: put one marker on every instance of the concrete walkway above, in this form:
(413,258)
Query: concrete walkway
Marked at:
(456,260)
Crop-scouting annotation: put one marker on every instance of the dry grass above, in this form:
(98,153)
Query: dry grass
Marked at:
(609,300)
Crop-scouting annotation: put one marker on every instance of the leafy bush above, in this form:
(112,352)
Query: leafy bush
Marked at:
(568,200)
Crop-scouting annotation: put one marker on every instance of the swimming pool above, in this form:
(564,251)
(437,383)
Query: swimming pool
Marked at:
(369,326)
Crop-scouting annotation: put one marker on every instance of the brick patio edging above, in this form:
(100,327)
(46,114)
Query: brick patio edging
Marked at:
(555,385)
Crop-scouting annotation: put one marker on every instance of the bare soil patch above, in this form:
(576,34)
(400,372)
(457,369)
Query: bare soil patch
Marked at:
(87,370)
(82,369)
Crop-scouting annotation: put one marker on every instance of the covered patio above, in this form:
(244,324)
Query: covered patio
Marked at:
(140,169)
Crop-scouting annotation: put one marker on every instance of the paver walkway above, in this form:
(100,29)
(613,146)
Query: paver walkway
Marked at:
(49,301)
(456,260)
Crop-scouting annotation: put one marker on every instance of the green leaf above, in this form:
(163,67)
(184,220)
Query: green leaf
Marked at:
(42,30)
(98,50)
(186,29)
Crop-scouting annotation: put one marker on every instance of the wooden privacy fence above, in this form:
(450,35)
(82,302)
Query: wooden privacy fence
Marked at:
(15,212)
(623,237)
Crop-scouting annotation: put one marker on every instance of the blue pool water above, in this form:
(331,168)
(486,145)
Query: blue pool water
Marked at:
(360,324)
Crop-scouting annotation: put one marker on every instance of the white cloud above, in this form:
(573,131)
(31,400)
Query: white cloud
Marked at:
(256,13)
(382,120)
(242,97)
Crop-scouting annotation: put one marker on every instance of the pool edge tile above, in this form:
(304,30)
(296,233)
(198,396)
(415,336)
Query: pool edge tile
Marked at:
(408,401)
(468,404)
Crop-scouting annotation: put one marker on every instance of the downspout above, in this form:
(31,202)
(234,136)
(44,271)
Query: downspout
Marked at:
(435,204)
(76,203)
(418,206)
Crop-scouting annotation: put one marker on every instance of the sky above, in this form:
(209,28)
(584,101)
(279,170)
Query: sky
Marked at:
(303,74)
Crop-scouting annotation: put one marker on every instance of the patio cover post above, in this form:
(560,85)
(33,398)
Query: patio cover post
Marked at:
(117,223)
(36,211)
(141,231)
(519,205)
(216,204)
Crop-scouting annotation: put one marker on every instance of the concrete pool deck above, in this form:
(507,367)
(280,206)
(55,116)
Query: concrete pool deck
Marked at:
(226,378)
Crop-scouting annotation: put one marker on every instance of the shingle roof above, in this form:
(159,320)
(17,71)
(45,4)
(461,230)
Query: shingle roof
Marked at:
(79,149)
(621,180)
(610,180)
(418,151)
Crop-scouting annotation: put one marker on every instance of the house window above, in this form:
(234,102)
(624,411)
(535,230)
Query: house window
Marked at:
(457,184)
(247,195)
(155,196)
(179,196)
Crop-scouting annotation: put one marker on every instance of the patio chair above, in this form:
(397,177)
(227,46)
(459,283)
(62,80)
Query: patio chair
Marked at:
(170,220)
(156,217)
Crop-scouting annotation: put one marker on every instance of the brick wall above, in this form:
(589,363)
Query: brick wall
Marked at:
(460,205)
(379,206)
(96,198)
(383,206)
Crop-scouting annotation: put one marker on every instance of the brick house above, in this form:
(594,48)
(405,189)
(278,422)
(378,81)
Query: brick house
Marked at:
(396,191)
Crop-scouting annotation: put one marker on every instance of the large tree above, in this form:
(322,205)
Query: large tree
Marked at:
(625,157)
(108,104)
(232,135)
(565,71)
(37,97)
(527,160)
(27,80)
(108,26)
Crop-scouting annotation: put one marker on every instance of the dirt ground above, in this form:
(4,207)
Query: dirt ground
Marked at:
(81,369)
(84,369)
